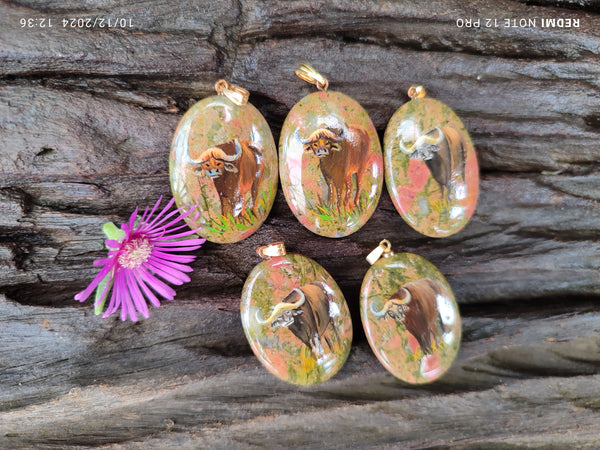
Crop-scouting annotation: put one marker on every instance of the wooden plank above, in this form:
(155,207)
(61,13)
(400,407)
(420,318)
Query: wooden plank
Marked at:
(188,370)
(517,246)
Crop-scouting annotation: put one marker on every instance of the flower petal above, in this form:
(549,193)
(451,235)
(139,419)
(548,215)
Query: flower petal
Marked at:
(159,287)
(132,219)
(111,243)
(147,292)
(164,237)
(174,257)
(172,276)
(138,299)
(144,220)
(100,297)
(185,249)
(128,306)
(103,261)
(172,264)
(123,297)
(178,224)
(83,295)
(182,242)
(114,301)
(166,233)
(159,219)
(144,216)
(166,228)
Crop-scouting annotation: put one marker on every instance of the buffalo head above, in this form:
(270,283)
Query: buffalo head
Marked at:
(396,305)
(322,141)
(214,161)
(284,312)
(426,145)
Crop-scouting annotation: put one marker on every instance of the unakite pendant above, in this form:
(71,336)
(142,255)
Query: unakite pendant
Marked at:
(431,168)
(330,161)
(295,317)
(410,316)
(223,162)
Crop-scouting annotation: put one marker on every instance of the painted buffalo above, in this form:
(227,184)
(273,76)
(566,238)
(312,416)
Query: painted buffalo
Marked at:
(342,154)
(443,150)
(236,169)
(415,305)
(306,313)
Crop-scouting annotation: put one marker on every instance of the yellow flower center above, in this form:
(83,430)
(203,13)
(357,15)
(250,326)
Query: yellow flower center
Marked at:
(135,253)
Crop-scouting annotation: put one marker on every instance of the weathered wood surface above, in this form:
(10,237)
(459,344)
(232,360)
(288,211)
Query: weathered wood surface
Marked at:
(86,118)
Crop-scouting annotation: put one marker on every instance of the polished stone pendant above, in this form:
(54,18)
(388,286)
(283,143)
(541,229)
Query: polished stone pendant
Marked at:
(295,317)
(430,166)
(410,316)
(330,161)
(223,162)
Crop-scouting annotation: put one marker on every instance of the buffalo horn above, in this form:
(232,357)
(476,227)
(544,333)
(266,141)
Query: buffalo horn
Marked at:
(391,302)
(406,150)
(421,140)
(302,141)
(282,306)
(189,160)
(340,137)
(431,140)
(238,153)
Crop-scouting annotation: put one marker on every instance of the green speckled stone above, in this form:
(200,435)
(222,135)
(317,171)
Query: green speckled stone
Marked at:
(330,197)
(315,342)
(216,121)
(417,340)
(435,191)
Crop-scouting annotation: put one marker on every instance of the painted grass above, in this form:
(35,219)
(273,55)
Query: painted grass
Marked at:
(343,213)
(245,220)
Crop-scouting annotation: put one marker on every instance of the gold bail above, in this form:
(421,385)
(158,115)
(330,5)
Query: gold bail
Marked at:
(309,74)
(384,248)
(274,249)
(416,92)
(236,94)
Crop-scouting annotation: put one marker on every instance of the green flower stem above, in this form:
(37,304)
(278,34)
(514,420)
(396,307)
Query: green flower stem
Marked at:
(111,231)
(99,303)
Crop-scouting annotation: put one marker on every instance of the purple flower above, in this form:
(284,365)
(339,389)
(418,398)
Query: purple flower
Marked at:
(139,254)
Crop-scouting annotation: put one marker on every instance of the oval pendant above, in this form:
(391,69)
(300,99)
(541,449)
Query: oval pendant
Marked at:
(410,317)
(330,163)
(224,161)
(431,167)
(295,318)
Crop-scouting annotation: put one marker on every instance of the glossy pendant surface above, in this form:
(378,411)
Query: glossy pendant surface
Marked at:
(410,317)
(431,167)
(296,319)
(223,159)
(330,163)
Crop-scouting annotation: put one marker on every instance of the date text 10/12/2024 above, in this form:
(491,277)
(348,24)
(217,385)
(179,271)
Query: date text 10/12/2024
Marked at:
(76,22)
(529,22)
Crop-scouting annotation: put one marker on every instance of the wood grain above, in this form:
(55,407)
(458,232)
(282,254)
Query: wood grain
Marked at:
(86,120)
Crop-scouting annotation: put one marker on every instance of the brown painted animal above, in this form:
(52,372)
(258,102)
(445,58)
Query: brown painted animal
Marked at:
(236,169)
(305,312)
(443,150)
(415,305)
(342,154)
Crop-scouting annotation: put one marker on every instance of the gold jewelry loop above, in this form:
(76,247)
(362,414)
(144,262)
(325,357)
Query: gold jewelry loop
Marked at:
(383,249)
(270,250)
(309,74)
(416,92)
(238,95)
